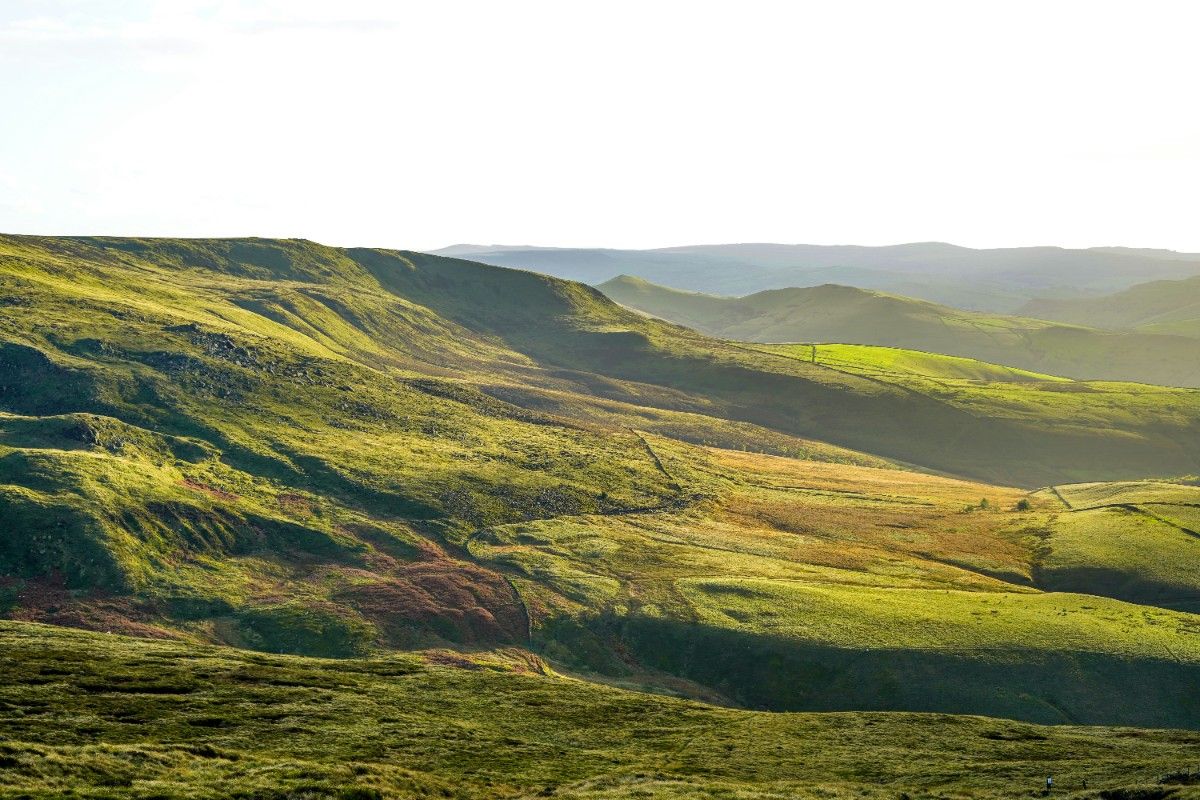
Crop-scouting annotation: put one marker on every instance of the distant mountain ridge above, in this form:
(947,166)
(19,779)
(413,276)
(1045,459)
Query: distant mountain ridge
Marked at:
(1000,280)
(833,313)
(1157,307)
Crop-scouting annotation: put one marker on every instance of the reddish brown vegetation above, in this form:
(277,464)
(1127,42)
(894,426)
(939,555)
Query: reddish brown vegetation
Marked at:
(458,601)
(47,600)
(294,504)
(211,491)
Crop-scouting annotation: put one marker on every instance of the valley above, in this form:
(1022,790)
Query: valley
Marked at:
(258,455)
(849,315)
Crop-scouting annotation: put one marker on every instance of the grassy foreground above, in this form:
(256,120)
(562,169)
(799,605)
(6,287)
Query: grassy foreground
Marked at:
(98,716)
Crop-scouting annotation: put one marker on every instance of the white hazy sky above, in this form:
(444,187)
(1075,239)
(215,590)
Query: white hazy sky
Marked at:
(623,124)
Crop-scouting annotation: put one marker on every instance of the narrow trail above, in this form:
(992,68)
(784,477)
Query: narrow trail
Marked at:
(672,483)
(878,498)
(524,609)
(1062,499)
(680,501)
(505,571)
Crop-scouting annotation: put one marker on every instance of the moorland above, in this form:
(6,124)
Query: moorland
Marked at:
(286,520)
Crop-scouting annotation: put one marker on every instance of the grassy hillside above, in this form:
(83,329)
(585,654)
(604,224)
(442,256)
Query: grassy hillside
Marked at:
(95,716)
(572,328)
(1137,541)
(893,363)
(1166,307)
(299,449)
(856,316)
(999,280)
(882,589)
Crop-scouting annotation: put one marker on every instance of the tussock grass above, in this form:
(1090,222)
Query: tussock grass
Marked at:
(90,715)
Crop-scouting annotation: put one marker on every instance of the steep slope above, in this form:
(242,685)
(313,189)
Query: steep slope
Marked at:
(574,328)
(999,280)
(265,462)
(1171,307)
(299,306)
(845,314)
(301,449)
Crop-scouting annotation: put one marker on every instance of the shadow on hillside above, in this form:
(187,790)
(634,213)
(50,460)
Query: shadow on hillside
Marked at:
(1129,585)
(780,674)
(569,327)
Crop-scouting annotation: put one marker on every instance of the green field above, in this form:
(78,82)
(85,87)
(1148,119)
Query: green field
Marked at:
(898,363)
(833,314)
(1136,540)
(988,391)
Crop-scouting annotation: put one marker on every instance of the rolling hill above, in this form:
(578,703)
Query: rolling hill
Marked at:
(1170,307)
(295,449)
(857,316)
(999,280)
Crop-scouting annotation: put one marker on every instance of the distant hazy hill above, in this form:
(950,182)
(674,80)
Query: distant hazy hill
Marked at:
(844,314)
(1000,280)
(1156,307)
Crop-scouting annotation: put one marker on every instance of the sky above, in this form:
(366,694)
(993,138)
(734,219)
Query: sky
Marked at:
(615,124)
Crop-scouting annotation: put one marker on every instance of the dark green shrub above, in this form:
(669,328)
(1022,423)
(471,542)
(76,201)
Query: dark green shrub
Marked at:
(360,793)
(299,629)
